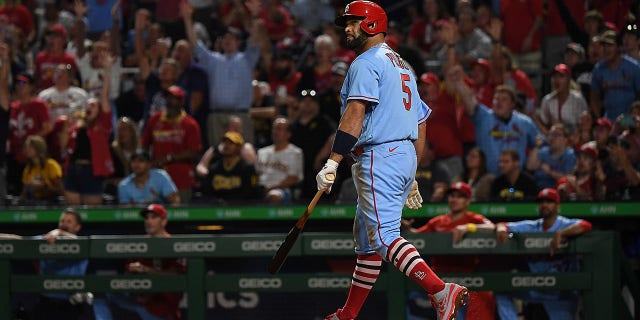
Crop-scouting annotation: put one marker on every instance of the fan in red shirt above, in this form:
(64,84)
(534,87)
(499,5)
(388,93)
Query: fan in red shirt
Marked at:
(53,55)
(174,137)
(460,221)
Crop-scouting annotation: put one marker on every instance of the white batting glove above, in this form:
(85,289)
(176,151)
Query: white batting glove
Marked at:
(327,175)
(414,200)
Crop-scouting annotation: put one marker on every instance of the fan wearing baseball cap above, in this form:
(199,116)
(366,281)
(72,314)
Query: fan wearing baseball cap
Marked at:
(559,305)
(460,221)
(563,104)
(156,305)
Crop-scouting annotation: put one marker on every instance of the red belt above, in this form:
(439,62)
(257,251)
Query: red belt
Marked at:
(358,151)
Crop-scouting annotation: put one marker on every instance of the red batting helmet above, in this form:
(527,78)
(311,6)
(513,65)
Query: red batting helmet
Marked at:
(374,18)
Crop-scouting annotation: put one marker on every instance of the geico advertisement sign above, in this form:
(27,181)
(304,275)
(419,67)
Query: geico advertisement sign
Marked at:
(260,245)
(63,284)
(59,248)
(131,284)
(469,282)
(194,246)
(6,248)
(476,243)
(126,247)
(329,282)
(534,281)
(332,244)
(260,283)
(537,243)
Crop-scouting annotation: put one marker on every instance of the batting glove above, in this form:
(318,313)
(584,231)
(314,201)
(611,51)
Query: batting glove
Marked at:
(327,175)
(414,200)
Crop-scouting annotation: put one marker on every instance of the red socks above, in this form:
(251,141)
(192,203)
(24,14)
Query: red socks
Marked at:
(406,258)
(364,276)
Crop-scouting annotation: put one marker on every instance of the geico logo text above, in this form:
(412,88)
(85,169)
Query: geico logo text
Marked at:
(70,284)
(532,243)
(136,284)
(127,247)
(469,282)
(476,243)
(59,248)
(254,283)
(541,281)
(255,245)
(332,244)
(199,246)
(329,282)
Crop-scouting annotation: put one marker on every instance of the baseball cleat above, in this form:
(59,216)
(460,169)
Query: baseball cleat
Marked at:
(334,316)
(449,301)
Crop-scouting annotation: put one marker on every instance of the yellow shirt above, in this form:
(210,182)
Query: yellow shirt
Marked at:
(48,174)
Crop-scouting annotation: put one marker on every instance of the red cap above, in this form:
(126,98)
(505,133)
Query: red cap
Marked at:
(589,149)
(59,30)
(461,187)
(429,77)
(604,122)
(562,69)
(176,92)
(481,62)
(549,194)
(156,209)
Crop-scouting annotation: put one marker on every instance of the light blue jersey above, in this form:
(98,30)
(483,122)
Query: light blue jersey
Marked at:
(386,166)
(382,78)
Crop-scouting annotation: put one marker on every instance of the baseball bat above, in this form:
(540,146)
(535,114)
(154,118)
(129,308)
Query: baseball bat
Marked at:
(283,252)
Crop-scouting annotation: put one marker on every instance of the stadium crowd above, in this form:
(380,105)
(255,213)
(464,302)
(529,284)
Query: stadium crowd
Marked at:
(223,102)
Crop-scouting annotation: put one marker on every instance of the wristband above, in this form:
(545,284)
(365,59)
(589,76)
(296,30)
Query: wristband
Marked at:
(472,227)
(343,143)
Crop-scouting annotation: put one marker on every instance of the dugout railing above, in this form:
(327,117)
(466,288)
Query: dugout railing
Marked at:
(599,280)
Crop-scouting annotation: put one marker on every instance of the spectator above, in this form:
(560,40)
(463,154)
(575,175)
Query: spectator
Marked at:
(601,133)
(563,104)
(214,153)
(422,30)
(89,65)
(584,132)
(174,137)
(470,43)
(131,103)
(311,15)
(104,15)
(459,221)
(63,99)
(146,185)
(122,148)
(58,306)
(432,177)
(19,16)
(523,23)
(154,305)
(230,73)
(319,75)
(513,184)
(615,83)
(54,55)
(631,133)
(501,127)
(89,160)
(482,81)
(42,176)
(475,174)
(330,100)
(230,178)
(311,131)
(555,32)
(559,305)
(193,79)
(585,183)
(280,165)
(631,41)
(28,116)
(283,76)
(622,179)
(552,162)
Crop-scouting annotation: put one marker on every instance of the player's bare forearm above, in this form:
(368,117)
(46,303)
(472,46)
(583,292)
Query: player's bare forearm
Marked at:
(575,229)
(420,142)
(351,122)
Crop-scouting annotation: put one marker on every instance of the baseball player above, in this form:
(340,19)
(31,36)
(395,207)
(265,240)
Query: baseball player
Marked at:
(383,128)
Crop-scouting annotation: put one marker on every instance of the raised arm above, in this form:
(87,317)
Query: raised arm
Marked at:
(140,24)
(115,30)
(107,61)
(80,8)
(186,11)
